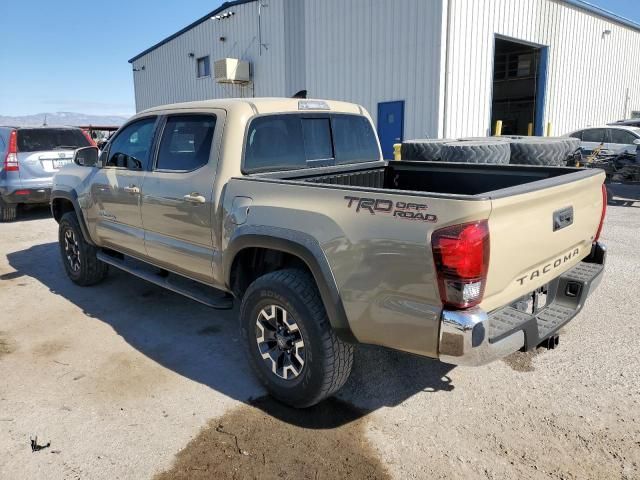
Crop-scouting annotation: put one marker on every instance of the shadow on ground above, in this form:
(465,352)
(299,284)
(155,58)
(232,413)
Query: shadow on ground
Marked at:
(27,213)
(204,345)
(623,195)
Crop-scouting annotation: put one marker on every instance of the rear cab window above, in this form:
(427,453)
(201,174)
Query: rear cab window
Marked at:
(295,141)
(43,139)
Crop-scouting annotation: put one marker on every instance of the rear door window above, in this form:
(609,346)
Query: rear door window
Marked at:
(290,141)
(43,139)
(186,142)
(131,147)
(621,136)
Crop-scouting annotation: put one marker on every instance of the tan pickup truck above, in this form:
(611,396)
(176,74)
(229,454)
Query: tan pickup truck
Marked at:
(287,207)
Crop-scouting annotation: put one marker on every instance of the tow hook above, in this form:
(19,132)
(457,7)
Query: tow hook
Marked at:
(550,343)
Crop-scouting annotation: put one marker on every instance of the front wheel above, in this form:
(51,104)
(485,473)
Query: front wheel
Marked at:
(291,345)
(78,257)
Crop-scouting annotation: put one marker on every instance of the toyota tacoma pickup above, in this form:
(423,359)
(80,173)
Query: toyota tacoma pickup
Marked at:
(286,207)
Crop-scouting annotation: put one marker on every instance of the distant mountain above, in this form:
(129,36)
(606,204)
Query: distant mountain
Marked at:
(61,118)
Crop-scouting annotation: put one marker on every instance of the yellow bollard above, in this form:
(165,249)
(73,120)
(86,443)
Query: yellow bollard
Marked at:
(549,129)
(396,151)
(498,128)
(530,130)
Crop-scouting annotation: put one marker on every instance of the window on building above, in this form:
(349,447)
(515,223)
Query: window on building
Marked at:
(204,67)
(186,142)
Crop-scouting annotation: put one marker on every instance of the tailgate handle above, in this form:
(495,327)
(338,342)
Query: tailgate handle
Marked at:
(562,218)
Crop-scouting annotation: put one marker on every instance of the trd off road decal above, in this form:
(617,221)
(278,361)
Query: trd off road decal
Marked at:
(402,210)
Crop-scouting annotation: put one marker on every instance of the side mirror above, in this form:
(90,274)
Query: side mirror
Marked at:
(86,157)
(636,141)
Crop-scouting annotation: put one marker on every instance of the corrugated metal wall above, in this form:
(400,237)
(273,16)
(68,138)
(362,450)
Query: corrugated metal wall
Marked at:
(294,30)
(370,51)
(588,72)
(170,74)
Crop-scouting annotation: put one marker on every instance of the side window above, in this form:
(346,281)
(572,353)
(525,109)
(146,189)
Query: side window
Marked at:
(354,139)
(3,145)
(621,136)
(186,142)
(275,142)
(577,134)
(596,135)
(131,148)
(204,67)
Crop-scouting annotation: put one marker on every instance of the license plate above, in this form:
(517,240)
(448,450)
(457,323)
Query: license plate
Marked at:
(60,163)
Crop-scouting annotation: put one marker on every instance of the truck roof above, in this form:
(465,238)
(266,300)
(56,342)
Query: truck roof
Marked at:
(265,105)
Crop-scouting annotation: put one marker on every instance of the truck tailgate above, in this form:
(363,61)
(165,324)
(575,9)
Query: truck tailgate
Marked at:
(527,249)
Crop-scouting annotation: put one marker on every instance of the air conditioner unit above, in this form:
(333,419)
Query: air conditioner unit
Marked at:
(231,70)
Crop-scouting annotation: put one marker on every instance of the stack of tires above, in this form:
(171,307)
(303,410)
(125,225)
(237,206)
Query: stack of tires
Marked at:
(551,151)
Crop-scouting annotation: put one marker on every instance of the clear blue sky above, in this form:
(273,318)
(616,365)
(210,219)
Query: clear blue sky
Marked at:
(71,55)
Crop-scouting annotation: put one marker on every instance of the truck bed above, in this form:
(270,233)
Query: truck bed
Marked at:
(443,178)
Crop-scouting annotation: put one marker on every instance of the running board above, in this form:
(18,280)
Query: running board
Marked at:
(209,296)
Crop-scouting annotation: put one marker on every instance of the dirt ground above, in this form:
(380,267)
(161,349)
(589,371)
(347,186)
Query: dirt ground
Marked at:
(127,381)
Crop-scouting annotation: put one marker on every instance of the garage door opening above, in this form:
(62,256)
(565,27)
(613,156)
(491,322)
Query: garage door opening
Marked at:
(519,78)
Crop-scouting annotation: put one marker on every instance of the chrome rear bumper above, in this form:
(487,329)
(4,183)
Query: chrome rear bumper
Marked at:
(475,337)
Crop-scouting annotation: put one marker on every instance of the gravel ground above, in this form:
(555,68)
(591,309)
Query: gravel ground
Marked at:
(125,380)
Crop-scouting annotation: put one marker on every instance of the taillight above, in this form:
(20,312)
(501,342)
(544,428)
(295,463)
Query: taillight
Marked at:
(461,256)
(11,160)
(603,214)
(88,137)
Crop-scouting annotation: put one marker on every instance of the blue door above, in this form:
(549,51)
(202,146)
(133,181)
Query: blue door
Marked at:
(390,126)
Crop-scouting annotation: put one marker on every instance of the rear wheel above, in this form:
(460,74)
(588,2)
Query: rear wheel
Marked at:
(78,257)
(291,345)
(8,211)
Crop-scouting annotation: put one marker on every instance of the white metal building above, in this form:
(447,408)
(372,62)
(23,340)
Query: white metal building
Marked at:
(423,68)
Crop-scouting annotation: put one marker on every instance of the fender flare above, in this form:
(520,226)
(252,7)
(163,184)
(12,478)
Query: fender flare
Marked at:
(303,246)
(72,196)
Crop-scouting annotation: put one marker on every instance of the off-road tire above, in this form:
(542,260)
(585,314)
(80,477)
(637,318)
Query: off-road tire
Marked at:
(423,150)
(8,211)
(488,151)
(539,151)
(328,360)
(91,270)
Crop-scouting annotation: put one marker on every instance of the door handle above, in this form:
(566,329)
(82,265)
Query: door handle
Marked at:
(131,189)
(194,198)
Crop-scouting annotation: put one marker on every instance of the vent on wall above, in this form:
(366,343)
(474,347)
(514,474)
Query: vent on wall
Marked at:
(231,70)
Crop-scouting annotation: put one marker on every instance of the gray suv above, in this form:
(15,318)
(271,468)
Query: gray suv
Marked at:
(29,157)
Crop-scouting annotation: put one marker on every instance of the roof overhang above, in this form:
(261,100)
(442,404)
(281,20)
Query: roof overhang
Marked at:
(203,19)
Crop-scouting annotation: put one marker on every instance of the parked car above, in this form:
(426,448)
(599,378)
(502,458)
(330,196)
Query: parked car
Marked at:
(287,206)
(615,139)
(30,157)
